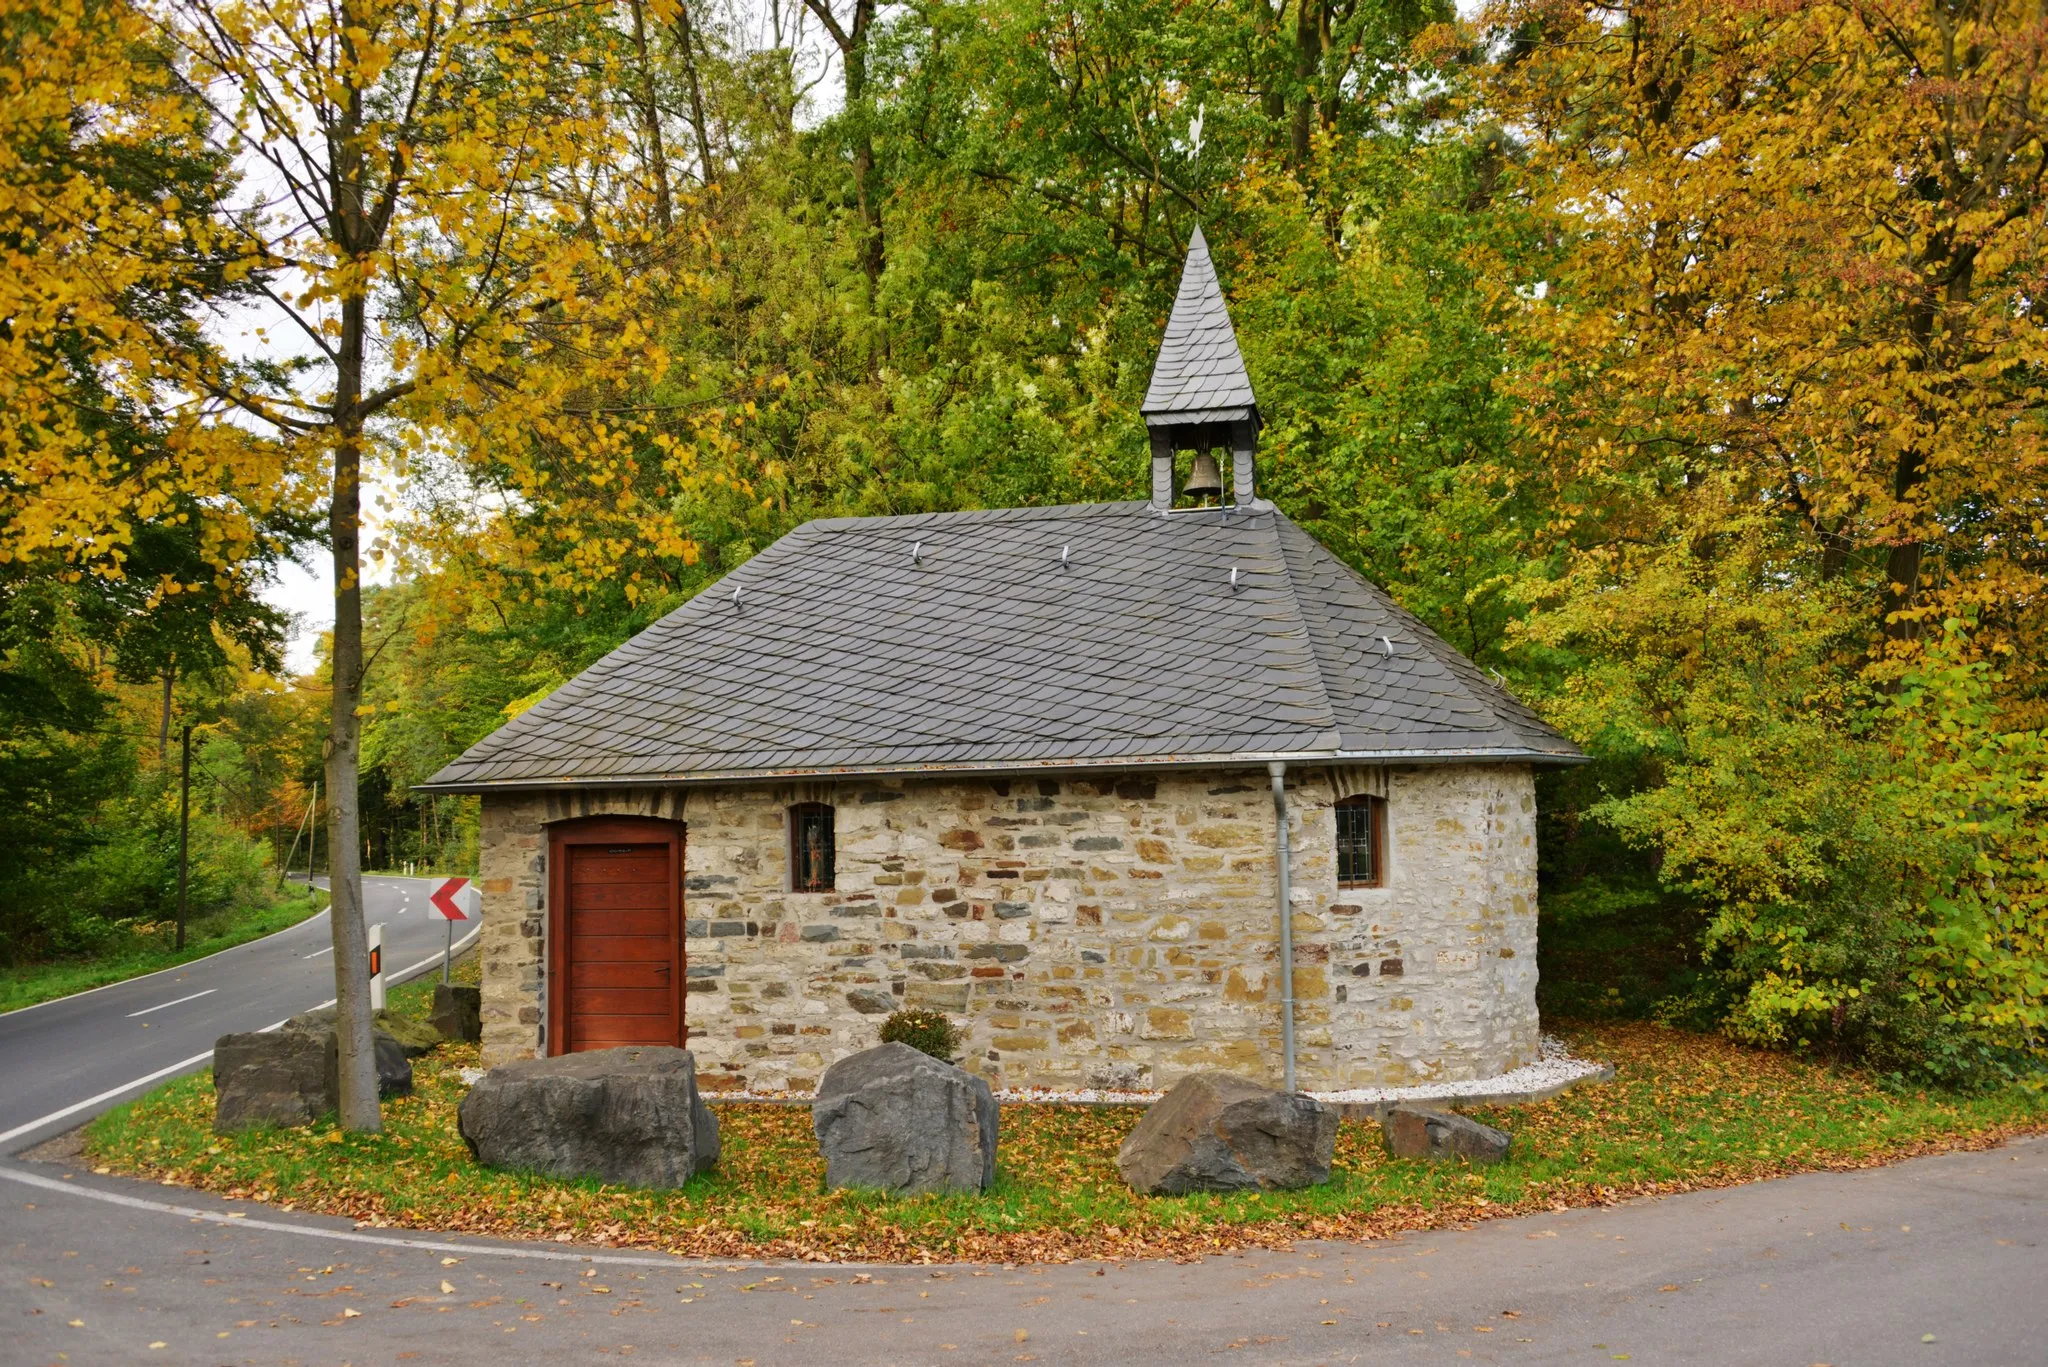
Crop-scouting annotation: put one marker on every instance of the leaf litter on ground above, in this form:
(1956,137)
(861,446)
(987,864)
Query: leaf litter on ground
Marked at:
(1685,1111)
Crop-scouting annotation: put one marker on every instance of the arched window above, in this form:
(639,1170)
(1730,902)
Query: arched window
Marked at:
(1362,842)
(810,847)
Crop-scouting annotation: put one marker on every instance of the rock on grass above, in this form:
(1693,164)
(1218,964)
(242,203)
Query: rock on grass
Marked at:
(629,1115)
(895,1118)
(1220,1132)
(1425,1132)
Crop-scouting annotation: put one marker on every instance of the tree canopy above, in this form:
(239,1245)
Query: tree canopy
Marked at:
(1679,361)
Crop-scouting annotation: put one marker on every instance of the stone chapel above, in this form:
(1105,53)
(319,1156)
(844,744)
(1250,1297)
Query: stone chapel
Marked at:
(1127,790)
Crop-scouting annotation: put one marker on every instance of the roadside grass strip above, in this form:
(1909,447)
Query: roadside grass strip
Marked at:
(1684,1112)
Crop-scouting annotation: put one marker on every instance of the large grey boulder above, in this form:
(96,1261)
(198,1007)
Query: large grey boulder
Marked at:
(458,1012)
(273,1077)
(394,1067)
(1425,1132)
(896,1118)
(414,1037)
(292,1075)
(1220,1132)
(629,1115)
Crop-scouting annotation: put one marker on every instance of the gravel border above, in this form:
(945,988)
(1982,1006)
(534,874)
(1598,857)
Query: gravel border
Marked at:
(1554,1073)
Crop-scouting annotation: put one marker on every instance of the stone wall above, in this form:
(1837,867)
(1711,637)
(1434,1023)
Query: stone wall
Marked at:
(1117,930)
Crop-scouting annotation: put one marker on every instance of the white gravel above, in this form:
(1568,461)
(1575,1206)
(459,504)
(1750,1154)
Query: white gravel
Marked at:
(1556,1066)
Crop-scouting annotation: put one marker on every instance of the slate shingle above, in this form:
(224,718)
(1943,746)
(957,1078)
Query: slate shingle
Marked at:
(1199,375)
(844,657)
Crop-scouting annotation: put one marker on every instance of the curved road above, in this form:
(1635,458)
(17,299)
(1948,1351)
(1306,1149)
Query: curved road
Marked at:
(1934,1261)
(63,1062)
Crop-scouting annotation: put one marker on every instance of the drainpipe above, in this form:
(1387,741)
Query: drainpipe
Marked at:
(1278,769)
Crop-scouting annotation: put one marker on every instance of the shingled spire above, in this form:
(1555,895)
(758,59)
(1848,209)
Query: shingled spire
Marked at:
(1200,396)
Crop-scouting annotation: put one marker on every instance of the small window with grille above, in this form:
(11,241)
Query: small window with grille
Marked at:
(1362,842)
(810,847)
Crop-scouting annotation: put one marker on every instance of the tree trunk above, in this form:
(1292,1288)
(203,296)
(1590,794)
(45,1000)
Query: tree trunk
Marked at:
(1308,61)
(1272,98)
(866,184)
(650,122)
(689,42)
(358,1060)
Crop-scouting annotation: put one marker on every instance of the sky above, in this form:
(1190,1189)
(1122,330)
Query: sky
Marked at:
(309,596)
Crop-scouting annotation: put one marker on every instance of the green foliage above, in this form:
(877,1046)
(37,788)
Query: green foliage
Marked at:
(928,1032)
(152,631)
(124,883)
(1807,821)
(1864,864)
(88,838)
(57,763)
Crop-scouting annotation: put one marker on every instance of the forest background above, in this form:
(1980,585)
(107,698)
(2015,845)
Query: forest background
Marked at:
(1677,361)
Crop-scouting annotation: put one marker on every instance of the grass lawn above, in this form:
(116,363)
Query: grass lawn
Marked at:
(27,984)
(1685,1111)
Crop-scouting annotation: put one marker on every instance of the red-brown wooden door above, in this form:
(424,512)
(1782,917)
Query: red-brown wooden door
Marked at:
(615,934)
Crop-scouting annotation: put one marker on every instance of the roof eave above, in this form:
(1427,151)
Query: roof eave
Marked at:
(698,778)
(1199,417)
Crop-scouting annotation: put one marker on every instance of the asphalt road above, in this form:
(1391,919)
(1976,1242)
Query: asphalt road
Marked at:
(65,1061)
(1935,1261)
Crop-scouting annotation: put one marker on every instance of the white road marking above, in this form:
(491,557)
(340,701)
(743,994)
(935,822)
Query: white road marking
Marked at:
(318,952)
(179,1002)
(238,1221)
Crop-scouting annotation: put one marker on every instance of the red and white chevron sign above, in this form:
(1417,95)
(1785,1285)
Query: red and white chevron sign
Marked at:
(458,899)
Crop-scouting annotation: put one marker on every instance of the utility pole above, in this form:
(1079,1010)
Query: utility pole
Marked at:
(184,827)
(305,822)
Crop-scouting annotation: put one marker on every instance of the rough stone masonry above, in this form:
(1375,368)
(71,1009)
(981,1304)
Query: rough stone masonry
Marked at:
(1116,930)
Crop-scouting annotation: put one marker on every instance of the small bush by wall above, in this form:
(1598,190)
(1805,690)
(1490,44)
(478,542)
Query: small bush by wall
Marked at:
(928,1032)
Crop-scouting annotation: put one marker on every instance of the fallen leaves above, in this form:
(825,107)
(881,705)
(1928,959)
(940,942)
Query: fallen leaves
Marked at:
(1742,1114)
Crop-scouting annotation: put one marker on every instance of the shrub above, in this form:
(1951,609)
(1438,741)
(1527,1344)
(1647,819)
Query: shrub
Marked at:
(928,1032)
(1870,864)
(123,886)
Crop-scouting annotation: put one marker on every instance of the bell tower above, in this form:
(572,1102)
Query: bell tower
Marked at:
(1200,398)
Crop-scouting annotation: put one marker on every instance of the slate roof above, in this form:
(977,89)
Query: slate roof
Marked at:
(831,653)
(1200,375)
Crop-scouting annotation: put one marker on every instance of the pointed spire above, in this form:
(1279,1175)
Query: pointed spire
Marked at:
(1199,376)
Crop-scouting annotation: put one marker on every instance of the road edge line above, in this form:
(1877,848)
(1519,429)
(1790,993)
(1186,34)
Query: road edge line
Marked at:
(239,1221)
(75,1107)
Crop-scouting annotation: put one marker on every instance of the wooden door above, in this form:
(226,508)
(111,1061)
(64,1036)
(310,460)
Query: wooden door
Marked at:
(615,934)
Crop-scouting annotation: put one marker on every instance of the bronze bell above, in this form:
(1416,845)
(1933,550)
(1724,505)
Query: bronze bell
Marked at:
(1204,479)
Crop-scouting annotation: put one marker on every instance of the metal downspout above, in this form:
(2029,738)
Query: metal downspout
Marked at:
(1278,769)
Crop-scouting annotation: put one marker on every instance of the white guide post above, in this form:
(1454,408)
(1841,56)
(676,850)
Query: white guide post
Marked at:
(377,967)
